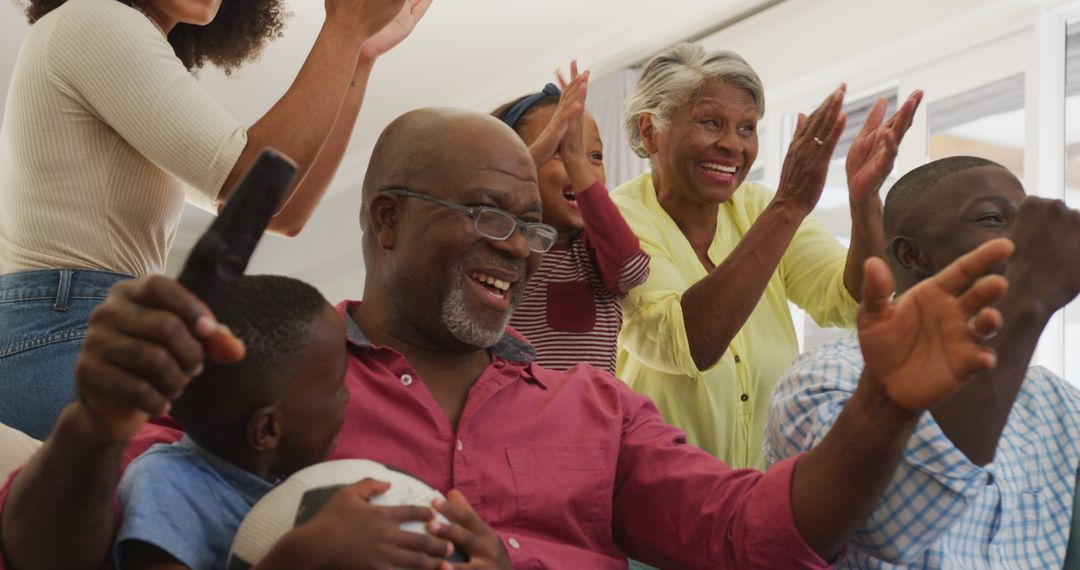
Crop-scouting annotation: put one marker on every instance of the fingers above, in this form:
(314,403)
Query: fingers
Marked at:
(408,513)
(822,120)
(984,292)
(117,388)
(137,323)
(563,83)
(410,559)
(800,124)
(465,539)
(159,292)
(425,543)
(877,287)
(837,131)
(419,8)
(560,79)
(986,323)
(367,488)
(874,117)
(983,358)
(960,274)
(458,509)
(901,121)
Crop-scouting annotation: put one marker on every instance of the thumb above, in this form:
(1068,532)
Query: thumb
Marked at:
(222,346)
(367,488)
(877,287)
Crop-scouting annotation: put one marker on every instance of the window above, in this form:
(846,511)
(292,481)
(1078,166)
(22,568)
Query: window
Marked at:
(987,122)
(833,209)
(1072,185)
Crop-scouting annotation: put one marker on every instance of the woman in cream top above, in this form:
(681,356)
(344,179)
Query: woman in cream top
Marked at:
(107,133)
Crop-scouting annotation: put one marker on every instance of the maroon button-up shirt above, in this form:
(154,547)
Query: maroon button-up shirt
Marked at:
(572,469)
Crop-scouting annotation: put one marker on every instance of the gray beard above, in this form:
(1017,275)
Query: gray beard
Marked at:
(461,326)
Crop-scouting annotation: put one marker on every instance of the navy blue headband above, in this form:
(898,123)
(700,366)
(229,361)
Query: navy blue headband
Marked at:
(513,115)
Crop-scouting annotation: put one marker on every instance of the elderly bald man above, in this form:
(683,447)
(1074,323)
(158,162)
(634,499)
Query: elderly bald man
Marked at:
(542,468)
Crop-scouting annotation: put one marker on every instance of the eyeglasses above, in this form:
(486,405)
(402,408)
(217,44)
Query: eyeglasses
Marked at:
(492,222)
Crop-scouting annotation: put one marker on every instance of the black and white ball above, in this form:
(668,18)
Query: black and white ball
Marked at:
(296,500)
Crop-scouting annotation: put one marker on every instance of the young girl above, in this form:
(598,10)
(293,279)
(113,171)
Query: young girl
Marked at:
(570,311)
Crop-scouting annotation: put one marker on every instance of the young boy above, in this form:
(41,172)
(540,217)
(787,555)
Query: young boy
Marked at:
(248,425)
(570,309)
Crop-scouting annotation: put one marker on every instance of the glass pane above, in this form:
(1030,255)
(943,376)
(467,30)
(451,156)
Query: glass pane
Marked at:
(987,122)
(1072,185)
(833,209)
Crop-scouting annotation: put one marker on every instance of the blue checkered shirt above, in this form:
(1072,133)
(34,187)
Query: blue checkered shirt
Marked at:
(940,510)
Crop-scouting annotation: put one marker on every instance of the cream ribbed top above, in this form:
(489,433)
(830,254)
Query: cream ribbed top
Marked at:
(103,129)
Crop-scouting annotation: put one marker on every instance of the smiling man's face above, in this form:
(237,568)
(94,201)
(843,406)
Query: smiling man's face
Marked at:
(452,283)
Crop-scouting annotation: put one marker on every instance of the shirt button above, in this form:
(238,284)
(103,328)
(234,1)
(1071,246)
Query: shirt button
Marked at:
(744,397)
(460,446)
(406,379)
(737,359)
(514,543)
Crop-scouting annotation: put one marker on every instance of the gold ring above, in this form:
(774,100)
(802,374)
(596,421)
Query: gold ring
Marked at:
(819,142)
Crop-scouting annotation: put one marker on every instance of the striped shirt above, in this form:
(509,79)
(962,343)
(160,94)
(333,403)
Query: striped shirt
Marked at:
(570,310)
(941,510)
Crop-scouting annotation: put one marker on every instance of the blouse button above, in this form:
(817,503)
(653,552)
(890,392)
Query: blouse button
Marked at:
(737,359)
(744,397)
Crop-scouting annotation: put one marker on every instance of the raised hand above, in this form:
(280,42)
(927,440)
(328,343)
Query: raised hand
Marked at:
(395,31)
(362,17)
(873,152)
(143,345)
(923,347)
(806,165)
(1047,275)
(570,108)
(350,532)
(471,534)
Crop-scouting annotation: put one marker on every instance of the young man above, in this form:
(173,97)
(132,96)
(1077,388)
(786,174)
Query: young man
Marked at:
(562,469)
(953,502)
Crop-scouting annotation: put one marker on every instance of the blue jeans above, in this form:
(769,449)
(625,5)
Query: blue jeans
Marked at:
(43,316)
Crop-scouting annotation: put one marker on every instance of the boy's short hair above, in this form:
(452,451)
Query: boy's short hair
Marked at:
(271,314)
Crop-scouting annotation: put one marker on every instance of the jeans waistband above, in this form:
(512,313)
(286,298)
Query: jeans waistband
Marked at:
(60,285)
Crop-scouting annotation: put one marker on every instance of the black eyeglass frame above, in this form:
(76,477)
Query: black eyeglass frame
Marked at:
(545,230)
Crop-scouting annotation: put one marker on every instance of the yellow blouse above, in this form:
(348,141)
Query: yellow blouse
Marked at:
(722,409)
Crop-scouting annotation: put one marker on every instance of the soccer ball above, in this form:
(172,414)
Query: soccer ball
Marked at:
(295,501)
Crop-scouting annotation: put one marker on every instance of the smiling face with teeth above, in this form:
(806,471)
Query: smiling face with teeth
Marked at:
(446,283)
(704,151)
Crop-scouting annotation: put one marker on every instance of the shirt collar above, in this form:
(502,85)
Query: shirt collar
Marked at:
(512,347)
(249,485)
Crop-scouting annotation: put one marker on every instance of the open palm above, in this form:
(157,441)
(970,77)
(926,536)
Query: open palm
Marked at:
(394,32)
(922,348)
(873,152)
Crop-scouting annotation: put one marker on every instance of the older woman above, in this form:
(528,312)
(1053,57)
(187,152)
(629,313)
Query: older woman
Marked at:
(107,132)
(710,333)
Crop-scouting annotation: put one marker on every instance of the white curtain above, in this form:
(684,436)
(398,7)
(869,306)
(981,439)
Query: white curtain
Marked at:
(607,104)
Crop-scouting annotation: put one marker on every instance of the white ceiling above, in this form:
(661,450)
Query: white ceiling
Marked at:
(465,53)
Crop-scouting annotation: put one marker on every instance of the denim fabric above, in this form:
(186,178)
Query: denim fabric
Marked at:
(43,317)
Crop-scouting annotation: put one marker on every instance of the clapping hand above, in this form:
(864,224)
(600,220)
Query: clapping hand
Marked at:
(806,165)
(567,114)
(392,33)
(921,348)
(873,152)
